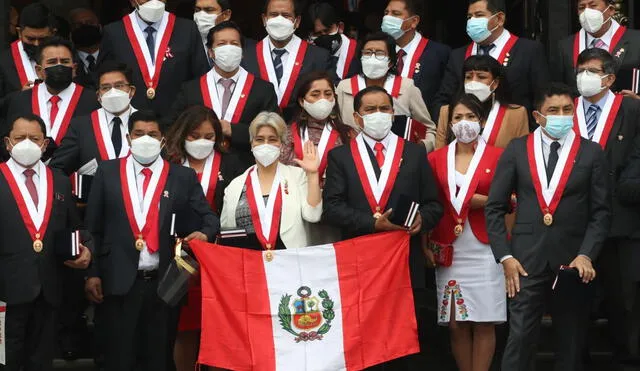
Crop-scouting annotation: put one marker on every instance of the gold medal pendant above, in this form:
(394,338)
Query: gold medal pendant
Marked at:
(377,214)
(151,93)
(140,243)
(268,256)
(37,244)
(457,230)
(548,219)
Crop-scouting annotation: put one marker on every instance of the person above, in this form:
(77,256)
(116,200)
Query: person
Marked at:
(328,33)
(132,204)
(612,121)
(599,30)
(484,77)
(524,60)
(86,34)
(397,168)
(418,57)
(464,171)
(13,24)
(39,211)
(235,95)
(177,55)
(195,141)
(378,56)
(270,199)
(207,14)
(562,218)
(282,57)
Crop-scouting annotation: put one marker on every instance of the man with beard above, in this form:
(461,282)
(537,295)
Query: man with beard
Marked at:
(86,34)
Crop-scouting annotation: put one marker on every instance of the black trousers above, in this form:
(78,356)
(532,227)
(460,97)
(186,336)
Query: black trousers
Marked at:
(140,329)
(30,336)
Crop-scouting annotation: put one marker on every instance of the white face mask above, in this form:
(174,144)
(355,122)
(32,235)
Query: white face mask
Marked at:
(592,20)
(589,84)
(377,125)
(228,57)
(205,22)
(480,90)
(26,153)
(280,28)
(466,131)
(145,149)
(374,68)
(319,110)
(266,154)
(151,11)
(115,101)
(199,149)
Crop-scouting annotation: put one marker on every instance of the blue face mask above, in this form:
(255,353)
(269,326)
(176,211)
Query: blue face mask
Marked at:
(392,26)
(478,28)
(558,126)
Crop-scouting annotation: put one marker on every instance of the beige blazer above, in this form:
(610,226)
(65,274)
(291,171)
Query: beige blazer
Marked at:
(515,125)
(295,209)
(409,103)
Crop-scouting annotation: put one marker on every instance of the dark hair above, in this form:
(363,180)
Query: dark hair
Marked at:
(553,88)
(146,116)
(609,64)
(489,64)
(388,40)
(357,100)
(494,6)
(223,26)
(113,66)
(28,117)
(414,7)
(52,42)
(36,15)
(473,104)
(188,121)
(325,13)
(335,119)
(297,6)
(224,4)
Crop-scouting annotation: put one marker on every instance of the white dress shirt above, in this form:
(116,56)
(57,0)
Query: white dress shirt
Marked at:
(220,87)
(372,142)
(285,56)
(124,126)
(65,96)
(546,146)
(499,43)
(607,38)
(147,261)
(83,57)
(18,172)
(410,47)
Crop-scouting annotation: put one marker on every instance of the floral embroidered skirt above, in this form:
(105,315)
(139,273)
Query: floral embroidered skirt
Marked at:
(474,283)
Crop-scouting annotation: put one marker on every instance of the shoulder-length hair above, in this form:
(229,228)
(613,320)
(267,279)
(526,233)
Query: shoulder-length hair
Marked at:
(187,122)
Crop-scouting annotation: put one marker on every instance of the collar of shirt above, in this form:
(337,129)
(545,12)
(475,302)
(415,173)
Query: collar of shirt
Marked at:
(18,169)
(83,55)
(599,103)
(607,38)
(124,117)
(143,24)
(217,77)
(155,166)
(500,43)
(412,45)
(372,142)
(546,141)
(290,47)
(64,95)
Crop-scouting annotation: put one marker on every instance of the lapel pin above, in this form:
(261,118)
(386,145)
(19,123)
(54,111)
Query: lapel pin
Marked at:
(220,177)
(487,171)
(165,194)
(241,95)
(286,187)
(59,196)
(620,137)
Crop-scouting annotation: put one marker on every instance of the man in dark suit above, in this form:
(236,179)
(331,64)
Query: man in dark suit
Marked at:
(562,218)
(208,13)
(86,34)
(354,169)
(599,30)
(38,208)
(418,58)
(131,207)
(177,54)
(236,104)
(524,59)
(282,57)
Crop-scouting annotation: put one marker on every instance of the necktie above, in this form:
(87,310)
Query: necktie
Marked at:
(53,113)
(400,59)
(91,60)
(592,119)
(147,178)
(226,96)
(486,49)
(116,136)
(31,186)
(277,62)
(378,148)
(553,160)
(151,42)
(598,43)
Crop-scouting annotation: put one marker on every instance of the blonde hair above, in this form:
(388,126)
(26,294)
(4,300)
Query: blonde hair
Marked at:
(271,119)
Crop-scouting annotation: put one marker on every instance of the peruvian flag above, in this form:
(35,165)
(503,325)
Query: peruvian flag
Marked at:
(343,306)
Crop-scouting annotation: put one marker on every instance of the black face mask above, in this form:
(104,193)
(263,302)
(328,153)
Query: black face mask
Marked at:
(86,36)
(331,43)
(58,77)
(30,50)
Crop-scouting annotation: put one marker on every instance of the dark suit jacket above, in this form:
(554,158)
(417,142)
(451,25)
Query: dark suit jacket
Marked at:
(346,206)
(580,223)
(25,274)
(564,70)
(189,62)
(115,257)
(628,190)
(86,78)
(527,72)
(9,82)
(433,63)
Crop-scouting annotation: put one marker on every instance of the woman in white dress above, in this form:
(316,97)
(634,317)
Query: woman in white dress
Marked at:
(471,291)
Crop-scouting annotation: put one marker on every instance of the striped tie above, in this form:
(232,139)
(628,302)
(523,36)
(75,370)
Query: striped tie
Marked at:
(597,43)
(592,119)
(277,62)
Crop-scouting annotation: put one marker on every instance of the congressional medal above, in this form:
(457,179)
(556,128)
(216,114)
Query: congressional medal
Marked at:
(268,256)
(139,243)
(457,230)
(377,214)
(37,243)
(151,93)
(548,219)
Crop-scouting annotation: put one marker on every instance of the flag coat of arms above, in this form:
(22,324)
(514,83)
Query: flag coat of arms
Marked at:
(342,306)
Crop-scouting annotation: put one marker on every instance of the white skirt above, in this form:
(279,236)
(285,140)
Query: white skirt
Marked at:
(474,283)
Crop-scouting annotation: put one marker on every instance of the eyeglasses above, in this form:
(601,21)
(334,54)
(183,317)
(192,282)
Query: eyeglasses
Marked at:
(118,86)
(596,71)
(378,54)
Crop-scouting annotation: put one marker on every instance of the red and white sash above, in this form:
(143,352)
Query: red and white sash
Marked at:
(494,123)
(413,56)
(143,219)
(36,219)
(150,71)
(580,40)
(210,176)
(211,98)
(103,136)
(472,49)
(25,69)
(605,122)
(391,85)
(550,193)
(377,191)
(266,218)
(347,53)
(291,69)
(327,142)
(460,202)
(66,108)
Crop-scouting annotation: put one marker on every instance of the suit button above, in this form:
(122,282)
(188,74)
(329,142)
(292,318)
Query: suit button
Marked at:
(611,173)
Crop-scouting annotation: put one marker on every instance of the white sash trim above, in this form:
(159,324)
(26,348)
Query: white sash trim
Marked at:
(410,51)
(106,135)
(491,121)
(141,213)
(457,200)
(549,190)
(216,100)
(377,185)
(26,63)
(388,84)
(342,58)
(602,121)
(206,171)
(141,40)
(294,48)
(265,212)
(53,127)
